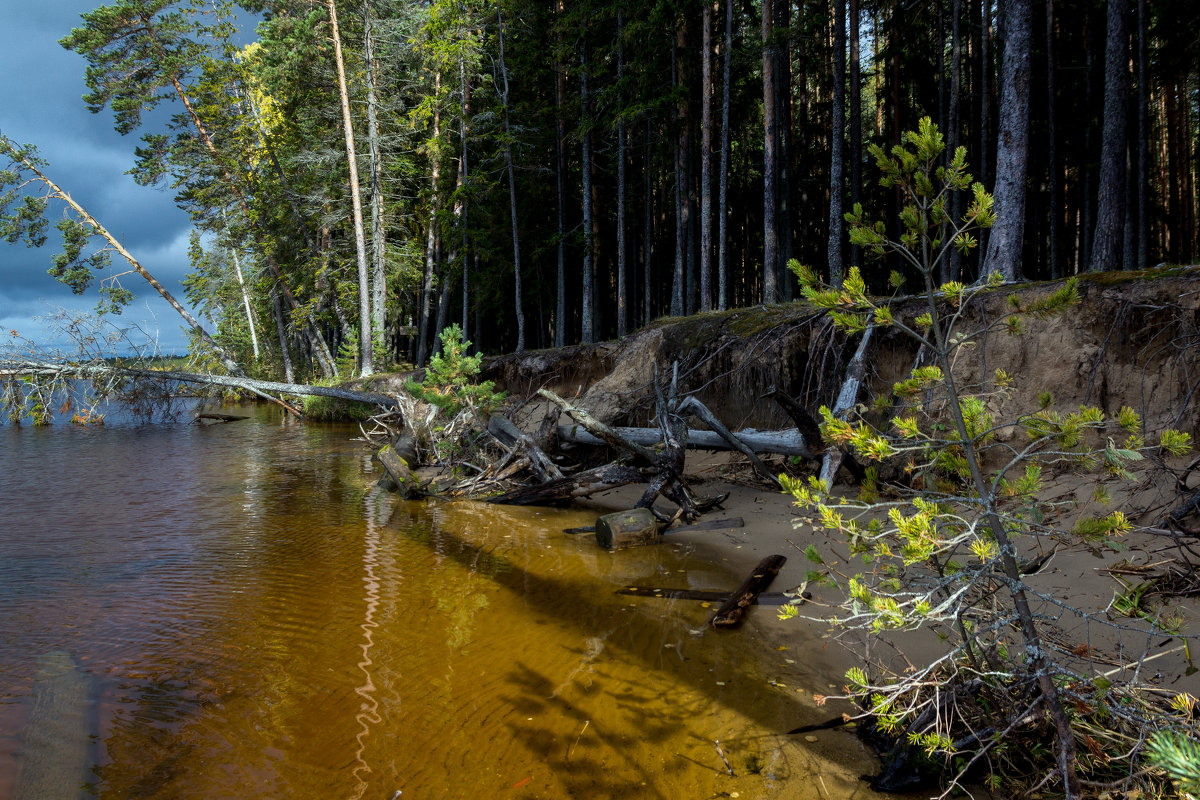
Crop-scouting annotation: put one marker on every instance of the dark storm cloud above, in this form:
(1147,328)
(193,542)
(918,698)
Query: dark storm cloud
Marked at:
(40,102)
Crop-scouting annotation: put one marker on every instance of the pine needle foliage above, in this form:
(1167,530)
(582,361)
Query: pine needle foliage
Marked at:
(938,545)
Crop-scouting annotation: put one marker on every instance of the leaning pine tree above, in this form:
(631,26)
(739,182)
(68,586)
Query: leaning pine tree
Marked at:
(944,542)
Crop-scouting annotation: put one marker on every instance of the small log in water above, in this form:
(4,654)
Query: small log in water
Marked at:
(631,528)
(398,470)
(56,762)
(706,596)
(732,611)
(220,417)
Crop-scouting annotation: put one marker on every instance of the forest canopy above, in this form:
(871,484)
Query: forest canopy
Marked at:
(365,174)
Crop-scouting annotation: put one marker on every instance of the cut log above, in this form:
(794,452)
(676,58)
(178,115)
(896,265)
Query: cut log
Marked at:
(637,526)
(581,484)
(786,442)
(732,611)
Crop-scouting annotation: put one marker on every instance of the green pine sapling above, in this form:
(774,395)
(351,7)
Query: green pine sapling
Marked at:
(941,545)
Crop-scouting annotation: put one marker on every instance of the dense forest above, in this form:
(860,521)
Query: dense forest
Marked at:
(545,173)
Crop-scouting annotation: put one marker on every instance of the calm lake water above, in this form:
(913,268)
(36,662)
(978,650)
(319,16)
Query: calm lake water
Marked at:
(230,611)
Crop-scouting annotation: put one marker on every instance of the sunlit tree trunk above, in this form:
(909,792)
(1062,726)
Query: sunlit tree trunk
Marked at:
(464,173)
(378,234)
(426,307)
(360,239)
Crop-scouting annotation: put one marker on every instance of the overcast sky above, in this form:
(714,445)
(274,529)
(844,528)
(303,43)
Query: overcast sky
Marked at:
(40,103)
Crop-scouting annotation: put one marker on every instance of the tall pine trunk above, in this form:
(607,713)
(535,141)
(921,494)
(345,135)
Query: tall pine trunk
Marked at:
(1012,151)
(770,265)
(512,186)
(464,169)
(560,169)
(679,277)
(1143,167)
(647,227)
(426,303)
(706,84)
(277,310)
(378,241)
(1110,211)
(837,181)
(622,262)
(855,117)
(723,191)
(589,277)
(1052,146)
(952,269)
(360,238)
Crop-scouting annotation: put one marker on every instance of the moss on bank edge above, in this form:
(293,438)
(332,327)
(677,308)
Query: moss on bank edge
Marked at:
(332,409)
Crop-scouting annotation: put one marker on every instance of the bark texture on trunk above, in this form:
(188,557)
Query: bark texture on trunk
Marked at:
(770,266)
(1006,238)
(360,237)
(1110,211)
(837,181)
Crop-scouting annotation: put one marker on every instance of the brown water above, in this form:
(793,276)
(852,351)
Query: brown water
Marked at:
(233,611)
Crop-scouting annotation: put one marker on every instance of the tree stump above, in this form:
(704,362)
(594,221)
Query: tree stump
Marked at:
(631,528)
(397,469)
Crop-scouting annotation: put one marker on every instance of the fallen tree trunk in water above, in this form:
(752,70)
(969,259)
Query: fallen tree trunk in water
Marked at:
(48,369)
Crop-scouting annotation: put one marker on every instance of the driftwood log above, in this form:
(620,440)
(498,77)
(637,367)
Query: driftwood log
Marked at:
(581,484)
(514,438)
(786,442)
(732,610)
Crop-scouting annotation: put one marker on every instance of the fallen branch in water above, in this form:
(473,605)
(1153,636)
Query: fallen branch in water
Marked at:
(67,370)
